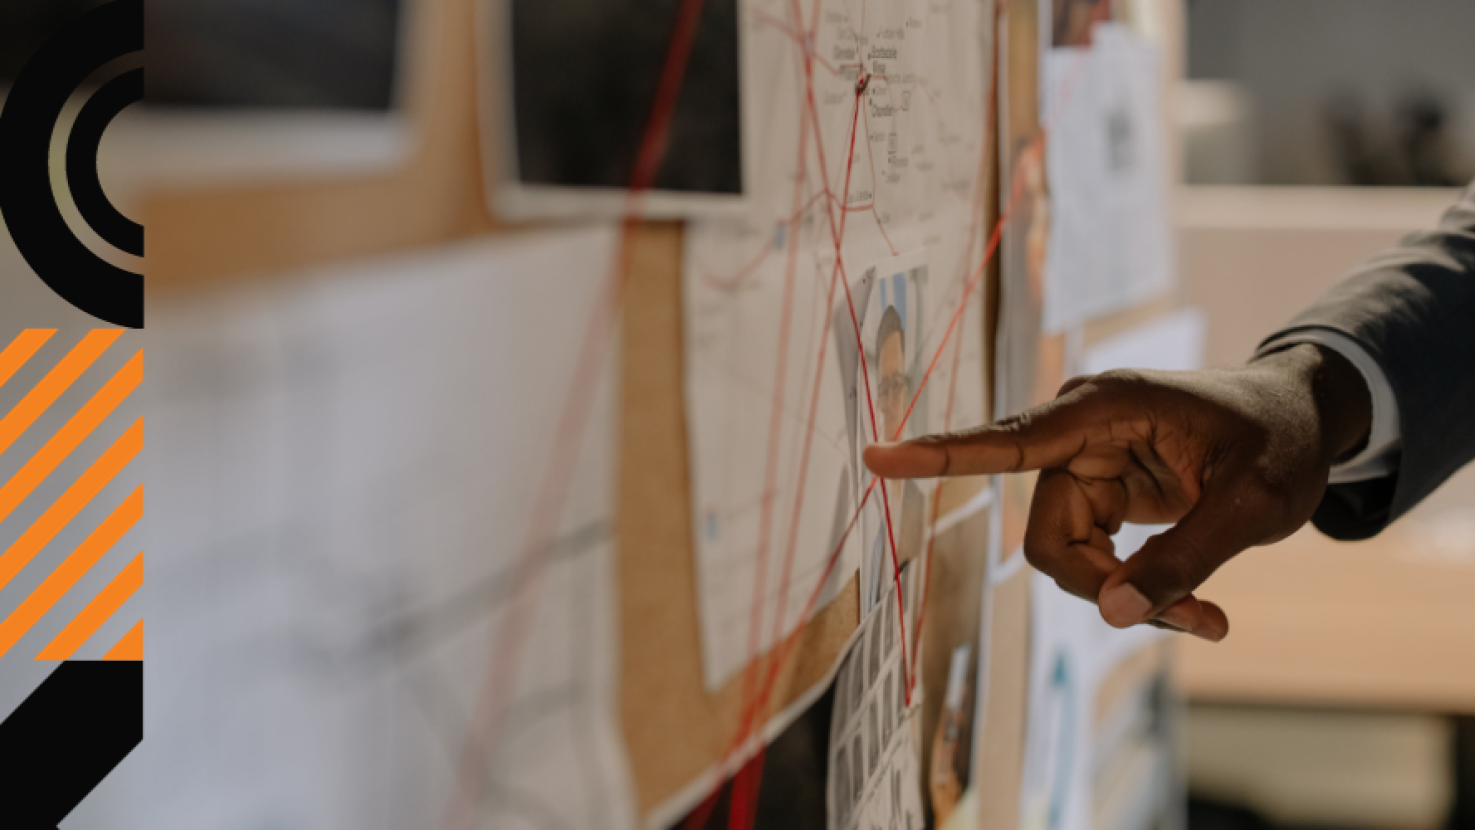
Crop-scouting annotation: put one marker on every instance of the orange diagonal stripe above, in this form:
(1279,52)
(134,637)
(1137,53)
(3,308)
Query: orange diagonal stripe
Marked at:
(130,647)
(20,350)
(36,537)
(76,430)
(96,613)
(57,381)
(66,575)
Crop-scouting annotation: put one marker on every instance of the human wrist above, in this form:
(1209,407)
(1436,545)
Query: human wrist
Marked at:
(1337,390)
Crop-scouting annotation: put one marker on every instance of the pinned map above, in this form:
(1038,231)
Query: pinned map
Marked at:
(869,151)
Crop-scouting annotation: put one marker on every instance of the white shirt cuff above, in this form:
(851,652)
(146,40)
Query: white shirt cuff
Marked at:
(1379,458)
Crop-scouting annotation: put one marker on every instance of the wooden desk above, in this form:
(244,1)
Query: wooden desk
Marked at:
(1387,623)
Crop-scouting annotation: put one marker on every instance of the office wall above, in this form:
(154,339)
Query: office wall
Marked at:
(1295,57)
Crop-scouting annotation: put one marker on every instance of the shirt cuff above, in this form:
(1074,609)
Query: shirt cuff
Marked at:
(1379,458)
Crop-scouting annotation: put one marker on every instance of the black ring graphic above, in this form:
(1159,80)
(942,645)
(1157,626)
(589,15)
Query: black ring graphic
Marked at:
(27,202)
(99,111)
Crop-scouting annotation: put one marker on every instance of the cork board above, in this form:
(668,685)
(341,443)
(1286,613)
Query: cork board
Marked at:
(208,238)
(662,694)
(674,728)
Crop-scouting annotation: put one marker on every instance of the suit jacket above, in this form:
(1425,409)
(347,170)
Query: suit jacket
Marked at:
(1413,310)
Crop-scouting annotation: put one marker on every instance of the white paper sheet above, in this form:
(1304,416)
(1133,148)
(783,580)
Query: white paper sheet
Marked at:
(1173,342)
(913,180)
(343,466)
(874,773)
(1071,651)
(1110,243)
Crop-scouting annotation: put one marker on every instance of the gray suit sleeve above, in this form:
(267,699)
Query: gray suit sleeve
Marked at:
(1413,310)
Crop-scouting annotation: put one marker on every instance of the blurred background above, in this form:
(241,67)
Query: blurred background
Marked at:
(1324,92)
(1313,134)
(1316,133)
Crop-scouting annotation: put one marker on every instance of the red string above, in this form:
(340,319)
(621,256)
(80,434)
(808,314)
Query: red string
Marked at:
(765,523)
(736,280)
(1036,147)
(783,654)
(749,715)
(501,673)
(947,417)
(860,343)
(865,373)
(740,802)
(739,809)
(792,546)
(553,487)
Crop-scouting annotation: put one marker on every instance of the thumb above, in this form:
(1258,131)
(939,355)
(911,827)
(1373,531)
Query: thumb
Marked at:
(1049,435)
(1158,581)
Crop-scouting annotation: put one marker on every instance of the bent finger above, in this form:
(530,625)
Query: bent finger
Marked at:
(1159,580)
(1062,539)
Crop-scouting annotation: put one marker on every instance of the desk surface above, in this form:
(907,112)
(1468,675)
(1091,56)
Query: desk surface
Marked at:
(1386,623)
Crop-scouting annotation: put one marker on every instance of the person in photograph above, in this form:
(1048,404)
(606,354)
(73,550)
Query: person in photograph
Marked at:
(893,398)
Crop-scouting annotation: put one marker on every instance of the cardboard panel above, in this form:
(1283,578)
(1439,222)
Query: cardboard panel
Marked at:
(674,728)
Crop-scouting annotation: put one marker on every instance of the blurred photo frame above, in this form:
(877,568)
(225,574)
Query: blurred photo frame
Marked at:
(560,134)
(261,90)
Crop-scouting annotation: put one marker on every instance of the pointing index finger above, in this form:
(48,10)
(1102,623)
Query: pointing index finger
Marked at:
(987,451)
(1046,436)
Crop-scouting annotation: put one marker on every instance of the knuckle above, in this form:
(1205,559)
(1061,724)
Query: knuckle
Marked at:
(959,437)
(1015,424)
(943,440)
(1073,384)
(1031,419)
(1013,432)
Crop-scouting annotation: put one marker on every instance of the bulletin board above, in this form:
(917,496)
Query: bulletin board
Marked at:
(204,240)
(675,730)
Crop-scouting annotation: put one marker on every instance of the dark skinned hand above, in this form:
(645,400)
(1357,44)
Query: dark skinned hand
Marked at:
(1234,458)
